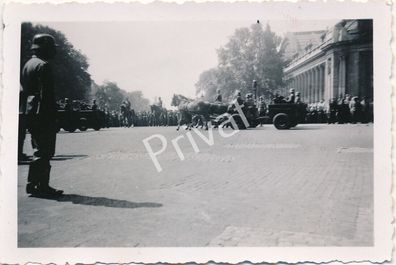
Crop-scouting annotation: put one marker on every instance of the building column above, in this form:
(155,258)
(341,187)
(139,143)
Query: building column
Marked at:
(302,86)
(317,84)
(322,82)
(320,95)
(341,75)
(310,86)
(299,84)
(306,86)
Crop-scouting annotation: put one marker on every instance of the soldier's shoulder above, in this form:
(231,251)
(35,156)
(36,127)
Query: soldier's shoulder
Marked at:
(37,62)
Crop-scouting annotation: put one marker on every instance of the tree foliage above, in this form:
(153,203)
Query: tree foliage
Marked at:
(250,54)
(72,79)
(109,96)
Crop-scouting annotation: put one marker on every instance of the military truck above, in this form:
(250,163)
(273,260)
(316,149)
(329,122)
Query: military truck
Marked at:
(71,120)
(282,115)
(287,115)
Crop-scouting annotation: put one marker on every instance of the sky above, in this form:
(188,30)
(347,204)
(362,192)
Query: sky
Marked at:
(160,57)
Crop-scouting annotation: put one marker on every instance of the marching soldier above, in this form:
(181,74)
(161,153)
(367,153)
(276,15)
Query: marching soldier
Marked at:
(40,108)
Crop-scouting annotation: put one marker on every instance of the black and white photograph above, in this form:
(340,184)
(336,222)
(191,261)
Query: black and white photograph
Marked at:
(219,133)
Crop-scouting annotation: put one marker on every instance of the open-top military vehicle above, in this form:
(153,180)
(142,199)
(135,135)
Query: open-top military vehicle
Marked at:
(282,115)
(286,115)
(71,120)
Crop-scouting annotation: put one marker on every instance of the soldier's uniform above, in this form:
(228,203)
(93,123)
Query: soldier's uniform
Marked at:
(40,110)
(291,97)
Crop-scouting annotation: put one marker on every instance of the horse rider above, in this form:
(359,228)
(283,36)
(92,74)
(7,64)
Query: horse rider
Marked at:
(218,98)
(40,108)
(127,104)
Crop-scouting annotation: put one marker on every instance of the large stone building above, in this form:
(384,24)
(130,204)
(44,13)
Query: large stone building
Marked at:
(340,63)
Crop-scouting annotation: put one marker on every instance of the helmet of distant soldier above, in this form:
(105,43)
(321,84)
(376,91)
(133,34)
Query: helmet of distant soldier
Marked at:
(291,90)
(43,41)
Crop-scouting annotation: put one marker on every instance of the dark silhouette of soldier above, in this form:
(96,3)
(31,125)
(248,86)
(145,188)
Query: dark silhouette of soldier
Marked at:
(291,97)
(22,127)
(94,105)
(218,97)
(40,110)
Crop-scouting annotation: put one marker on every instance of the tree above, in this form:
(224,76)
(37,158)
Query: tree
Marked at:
(138,102)
(250,54)
(72,79)
(109,96)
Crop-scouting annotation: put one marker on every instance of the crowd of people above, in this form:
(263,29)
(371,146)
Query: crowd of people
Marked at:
(345,109)
(141,118)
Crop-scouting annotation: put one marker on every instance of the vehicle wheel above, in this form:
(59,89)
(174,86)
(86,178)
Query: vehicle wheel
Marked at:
(83,125)
(253,123)
(238,120)
(281,121)
(293,124)
(96,128)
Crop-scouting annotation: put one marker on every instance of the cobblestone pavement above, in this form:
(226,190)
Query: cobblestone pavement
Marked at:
(310,186)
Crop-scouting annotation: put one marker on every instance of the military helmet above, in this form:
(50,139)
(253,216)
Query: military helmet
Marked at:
(43,41)
(291,90)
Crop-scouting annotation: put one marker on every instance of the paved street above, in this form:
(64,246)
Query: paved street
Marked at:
(310,186)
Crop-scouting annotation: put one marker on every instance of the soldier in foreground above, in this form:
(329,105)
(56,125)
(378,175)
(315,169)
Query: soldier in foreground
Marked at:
(40,108)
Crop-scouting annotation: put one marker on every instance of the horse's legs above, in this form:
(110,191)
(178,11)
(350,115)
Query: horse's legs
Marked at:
(205,122)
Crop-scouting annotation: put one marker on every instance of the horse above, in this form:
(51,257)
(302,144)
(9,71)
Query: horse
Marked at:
(189,108)
(158,114)
(126,116)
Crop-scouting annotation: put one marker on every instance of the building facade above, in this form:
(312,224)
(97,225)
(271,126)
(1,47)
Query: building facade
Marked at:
(342,63)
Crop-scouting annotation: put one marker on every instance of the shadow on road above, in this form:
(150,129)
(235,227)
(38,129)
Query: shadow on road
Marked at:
(302,127)
(55,158)
(66,157)
(99,201)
